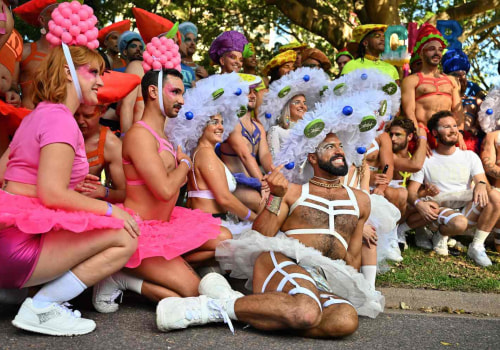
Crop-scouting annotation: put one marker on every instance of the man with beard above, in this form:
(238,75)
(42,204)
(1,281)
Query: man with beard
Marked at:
(243,151)
(402,131)
(371,44)
(108,40)
(451,171)
(429,91)
(190,33)
(290,296)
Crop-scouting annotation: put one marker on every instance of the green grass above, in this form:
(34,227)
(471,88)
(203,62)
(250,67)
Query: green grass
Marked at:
(424,269)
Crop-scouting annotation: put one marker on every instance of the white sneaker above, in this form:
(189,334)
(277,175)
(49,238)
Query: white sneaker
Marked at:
(55,319)
(215,286)
(422,238)
(394,253)
(478,254)
(179,313)
(105,293)
(440,244)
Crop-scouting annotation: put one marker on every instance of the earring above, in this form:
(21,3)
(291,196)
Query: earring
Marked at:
(43,31)
(287,121)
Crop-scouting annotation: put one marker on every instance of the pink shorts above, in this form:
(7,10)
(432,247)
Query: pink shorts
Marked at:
(19,253)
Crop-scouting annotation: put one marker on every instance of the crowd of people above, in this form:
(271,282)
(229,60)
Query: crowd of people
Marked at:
(127,167)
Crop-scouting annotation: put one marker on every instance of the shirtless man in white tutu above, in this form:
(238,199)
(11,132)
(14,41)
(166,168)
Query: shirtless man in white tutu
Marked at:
(322,214)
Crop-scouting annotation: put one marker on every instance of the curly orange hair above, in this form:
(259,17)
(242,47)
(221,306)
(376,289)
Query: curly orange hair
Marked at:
(50,79)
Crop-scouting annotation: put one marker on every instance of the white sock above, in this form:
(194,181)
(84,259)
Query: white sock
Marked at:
(62,289)
(128,282)
(403,227)
(229,304)
(370,273)
(479,237)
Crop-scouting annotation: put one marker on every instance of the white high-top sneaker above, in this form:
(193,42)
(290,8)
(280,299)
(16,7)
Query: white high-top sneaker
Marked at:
(55,319)
(216,286)
(179,313)
(440,244)
(105,293)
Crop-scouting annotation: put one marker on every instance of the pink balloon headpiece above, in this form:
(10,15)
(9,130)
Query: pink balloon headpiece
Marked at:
(161,53)
(73,24)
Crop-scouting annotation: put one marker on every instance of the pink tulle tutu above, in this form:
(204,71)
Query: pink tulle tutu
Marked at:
(30,216)
(187,230)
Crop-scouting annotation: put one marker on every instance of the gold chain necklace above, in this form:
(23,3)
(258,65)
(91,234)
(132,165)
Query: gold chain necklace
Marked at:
(321,184)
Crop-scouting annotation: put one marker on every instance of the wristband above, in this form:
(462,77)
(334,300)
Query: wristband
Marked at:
(273,204)
(188,163)
(248,215)
(423,137)
(482,182)
(416,201)
(106,195)
(109,212)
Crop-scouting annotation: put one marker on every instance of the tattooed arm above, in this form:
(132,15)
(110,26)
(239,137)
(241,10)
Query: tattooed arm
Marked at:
(489,156)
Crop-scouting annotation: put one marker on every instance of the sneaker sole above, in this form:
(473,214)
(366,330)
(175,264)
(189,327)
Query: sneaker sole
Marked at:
(19,323)
(440,252)
(160,311)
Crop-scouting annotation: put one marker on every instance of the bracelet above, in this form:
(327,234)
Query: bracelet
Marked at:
(423,137)
(188,163)
(109,212)
(482,182)
(248,215)
(273,204)
(106,195)
(416,201)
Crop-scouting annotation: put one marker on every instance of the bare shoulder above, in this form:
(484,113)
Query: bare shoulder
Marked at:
(293,193)
(135,67)
(137,135)
(362,198)
(410,81)
(26,51)
(112,142)
(205,156)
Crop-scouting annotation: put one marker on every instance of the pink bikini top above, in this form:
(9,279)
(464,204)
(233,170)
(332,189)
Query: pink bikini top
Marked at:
(164,146)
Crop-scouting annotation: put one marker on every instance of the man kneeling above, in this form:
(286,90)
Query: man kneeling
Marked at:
(293,275)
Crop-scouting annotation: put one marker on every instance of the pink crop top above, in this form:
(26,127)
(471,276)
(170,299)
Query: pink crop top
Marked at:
(48,123)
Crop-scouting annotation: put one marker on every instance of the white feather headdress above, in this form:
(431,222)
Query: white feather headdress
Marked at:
(489,114)
(224,94)
(355,116)
(302,81)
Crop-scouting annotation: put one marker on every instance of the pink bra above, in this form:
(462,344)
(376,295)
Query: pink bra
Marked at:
(164,146)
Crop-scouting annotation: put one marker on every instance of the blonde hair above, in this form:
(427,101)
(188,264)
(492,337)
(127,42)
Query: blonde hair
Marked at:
(50,78)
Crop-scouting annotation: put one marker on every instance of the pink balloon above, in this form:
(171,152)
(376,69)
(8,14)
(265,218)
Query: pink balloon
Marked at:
(169,55)
(66,12)
(52,24)
(169,65)
(92,34)
(146,56)
(62,5)
(93,20)
(163,59)
(66,38)
(90,10)
(75,6)
(75,19)
(94,44)
(57,31)
(55,12)
(170,44)
(176,47)
(74,30)
(58,19)
(66,24)
(178,67)
(83,14)
(155,41)
(151,49)
(83,26)
(146,67)
(81,40)
(157,53)
(156,65)
(163,48)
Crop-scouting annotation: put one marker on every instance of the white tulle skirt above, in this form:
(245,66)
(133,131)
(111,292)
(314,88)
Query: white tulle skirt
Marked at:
(384,217)
(239,255)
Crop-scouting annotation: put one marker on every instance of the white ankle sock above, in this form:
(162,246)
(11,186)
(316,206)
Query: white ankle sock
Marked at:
(65,288)
(128,282)
(370,273)
(479,237)
(229,304)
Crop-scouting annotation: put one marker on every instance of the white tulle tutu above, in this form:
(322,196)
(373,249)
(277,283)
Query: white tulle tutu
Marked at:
(239,255)
(384,217)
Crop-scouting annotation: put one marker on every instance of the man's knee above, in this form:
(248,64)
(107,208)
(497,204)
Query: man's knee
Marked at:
(458,225)
(304,312)
(342,320)
(494,198)
(224,234)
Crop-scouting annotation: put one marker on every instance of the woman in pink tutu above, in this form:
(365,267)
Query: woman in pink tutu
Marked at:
(155,172)
(51,235)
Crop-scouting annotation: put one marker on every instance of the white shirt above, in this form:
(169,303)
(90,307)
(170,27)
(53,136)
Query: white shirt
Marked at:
(450,173)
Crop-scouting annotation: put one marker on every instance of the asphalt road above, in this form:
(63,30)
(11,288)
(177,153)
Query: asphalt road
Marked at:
(133,327)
